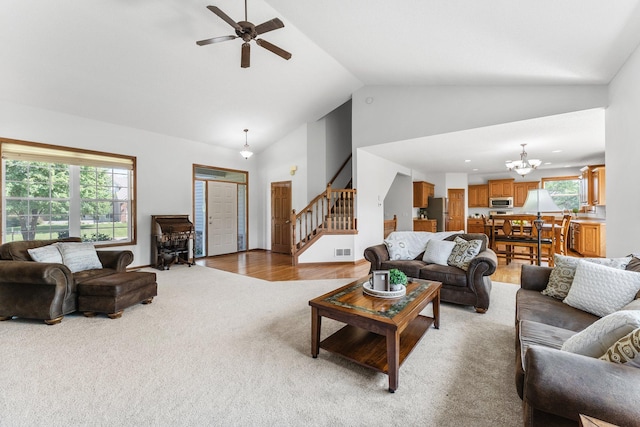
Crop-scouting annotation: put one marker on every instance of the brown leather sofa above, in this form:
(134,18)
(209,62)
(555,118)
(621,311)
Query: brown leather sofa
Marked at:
(554,385)
(48,291)
(471,287)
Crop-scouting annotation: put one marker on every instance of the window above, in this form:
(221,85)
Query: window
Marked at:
(54,192)
(565,191)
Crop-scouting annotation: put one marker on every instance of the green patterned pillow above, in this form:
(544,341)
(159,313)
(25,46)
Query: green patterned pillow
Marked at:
(564,270)
(626,350)
(463,252)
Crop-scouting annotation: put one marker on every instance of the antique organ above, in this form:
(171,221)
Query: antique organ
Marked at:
(171,240)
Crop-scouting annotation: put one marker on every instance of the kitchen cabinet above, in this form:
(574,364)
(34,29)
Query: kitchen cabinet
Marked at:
(478,196)
(501,187)
(588,238)
(422,190)
(430,225)
(592,186)
(475,225)
(520,191)
(598,182)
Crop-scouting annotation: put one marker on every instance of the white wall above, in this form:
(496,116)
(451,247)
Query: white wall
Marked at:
(276,162)
(400,113)
(622,154)
(399,202)
(164,163)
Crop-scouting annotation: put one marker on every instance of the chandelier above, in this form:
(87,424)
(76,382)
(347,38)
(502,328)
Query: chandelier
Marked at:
(523,166)
(246,152)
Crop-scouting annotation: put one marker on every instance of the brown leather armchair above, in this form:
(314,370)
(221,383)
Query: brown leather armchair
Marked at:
(46,291)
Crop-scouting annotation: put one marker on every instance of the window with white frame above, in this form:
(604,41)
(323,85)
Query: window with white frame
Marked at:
(51,192)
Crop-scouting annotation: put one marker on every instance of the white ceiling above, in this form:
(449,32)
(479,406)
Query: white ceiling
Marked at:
(135,63)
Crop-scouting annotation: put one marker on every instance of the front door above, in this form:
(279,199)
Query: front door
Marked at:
(455,220)
(281,217)
(222,218)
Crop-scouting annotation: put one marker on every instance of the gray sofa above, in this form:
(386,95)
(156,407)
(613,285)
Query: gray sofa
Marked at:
(471,287)
(554,385)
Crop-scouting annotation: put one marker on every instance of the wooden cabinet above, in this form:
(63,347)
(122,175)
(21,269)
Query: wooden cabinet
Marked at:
(430,225)
(520,191)
(501,187)
(598,182)
(478,196)
(422,190)
(475,225)
(592,186)
(589,238)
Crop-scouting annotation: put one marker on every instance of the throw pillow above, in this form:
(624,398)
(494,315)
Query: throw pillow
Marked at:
(79,256)
(564,269)
(49,253)
(438,251)
(403,245)
(596,339)
(463,252)
(601,290)
(626,350)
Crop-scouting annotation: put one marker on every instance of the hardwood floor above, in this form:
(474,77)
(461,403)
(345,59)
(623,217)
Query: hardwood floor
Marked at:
(277,267)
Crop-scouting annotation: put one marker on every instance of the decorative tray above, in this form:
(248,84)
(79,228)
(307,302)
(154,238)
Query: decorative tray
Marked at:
(367,289)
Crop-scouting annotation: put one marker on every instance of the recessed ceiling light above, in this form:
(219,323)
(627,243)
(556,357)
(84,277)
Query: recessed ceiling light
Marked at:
(547,163)
(557,151)
(475,169)
(467,161)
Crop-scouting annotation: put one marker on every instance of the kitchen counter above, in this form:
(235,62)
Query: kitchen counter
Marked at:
(589,221)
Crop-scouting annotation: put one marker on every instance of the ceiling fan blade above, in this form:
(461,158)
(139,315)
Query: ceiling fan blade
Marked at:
(215,40)
(273,48)
(274,24)
(245,59)
(225,17)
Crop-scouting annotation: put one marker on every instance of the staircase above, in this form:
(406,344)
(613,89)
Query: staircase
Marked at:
(331,212)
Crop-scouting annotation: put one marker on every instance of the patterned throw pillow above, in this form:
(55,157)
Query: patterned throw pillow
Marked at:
(601,290)
(562,274)
(438,251)
(79,256)
(49,253)
(626,350)
(603,333)
(463,252)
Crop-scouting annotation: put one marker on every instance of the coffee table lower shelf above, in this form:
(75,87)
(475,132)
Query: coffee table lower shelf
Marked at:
(370,349)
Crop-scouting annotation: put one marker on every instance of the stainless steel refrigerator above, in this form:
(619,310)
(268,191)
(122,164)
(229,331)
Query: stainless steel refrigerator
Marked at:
(438,209)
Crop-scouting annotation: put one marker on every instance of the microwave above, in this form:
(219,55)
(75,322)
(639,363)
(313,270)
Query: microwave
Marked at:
(501,202)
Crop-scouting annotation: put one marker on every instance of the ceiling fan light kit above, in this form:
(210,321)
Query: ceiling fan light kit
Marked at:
(247,31)
(523,166)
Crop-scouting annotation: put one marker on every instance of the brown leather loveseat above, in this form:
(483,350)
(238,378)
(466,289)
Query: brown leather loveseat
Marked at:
(48,291)
(471,287)
(557,386)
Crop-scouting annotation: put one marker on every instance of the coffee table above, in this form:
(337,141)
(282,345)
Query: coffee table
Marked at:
(379,333)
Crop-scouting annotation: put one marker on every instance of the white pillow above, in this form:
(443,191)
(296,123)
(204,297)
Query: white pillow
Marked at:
(601,290)
(49,253)
(79,256)
(564,270)
(438,251)
(403,245)
(596,339)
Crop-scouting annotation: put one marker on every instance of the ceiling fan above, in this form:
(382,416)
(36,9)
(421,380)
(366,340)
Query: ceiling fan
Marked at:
(247,32)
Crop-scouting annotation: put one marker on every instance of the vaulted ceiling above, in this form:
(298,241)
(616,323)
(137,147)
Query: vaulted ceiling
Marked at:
(136,63)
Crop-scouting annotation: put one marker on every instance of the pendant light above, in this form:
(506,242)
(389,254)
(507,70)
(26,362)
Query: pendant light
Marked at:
(246,152)
(523,166)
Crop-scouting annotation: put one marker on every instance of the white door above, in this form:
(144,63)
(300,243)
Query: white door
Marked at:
(222,210)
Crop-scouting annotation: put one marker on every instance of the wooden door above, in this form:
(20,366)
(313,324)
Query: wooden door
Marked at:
(455,220)
(281,217)
(222,214)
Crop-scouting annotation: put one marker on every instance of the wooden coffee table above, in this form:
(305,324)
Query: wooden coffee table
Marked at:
(380,333)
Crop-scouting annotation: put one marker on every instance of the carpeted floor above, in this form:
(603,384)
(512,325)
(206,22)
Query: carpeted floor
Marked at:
(216,348)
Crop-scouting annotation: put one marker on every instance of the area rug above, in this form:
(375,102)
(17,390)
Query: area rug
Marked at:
(217,348)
